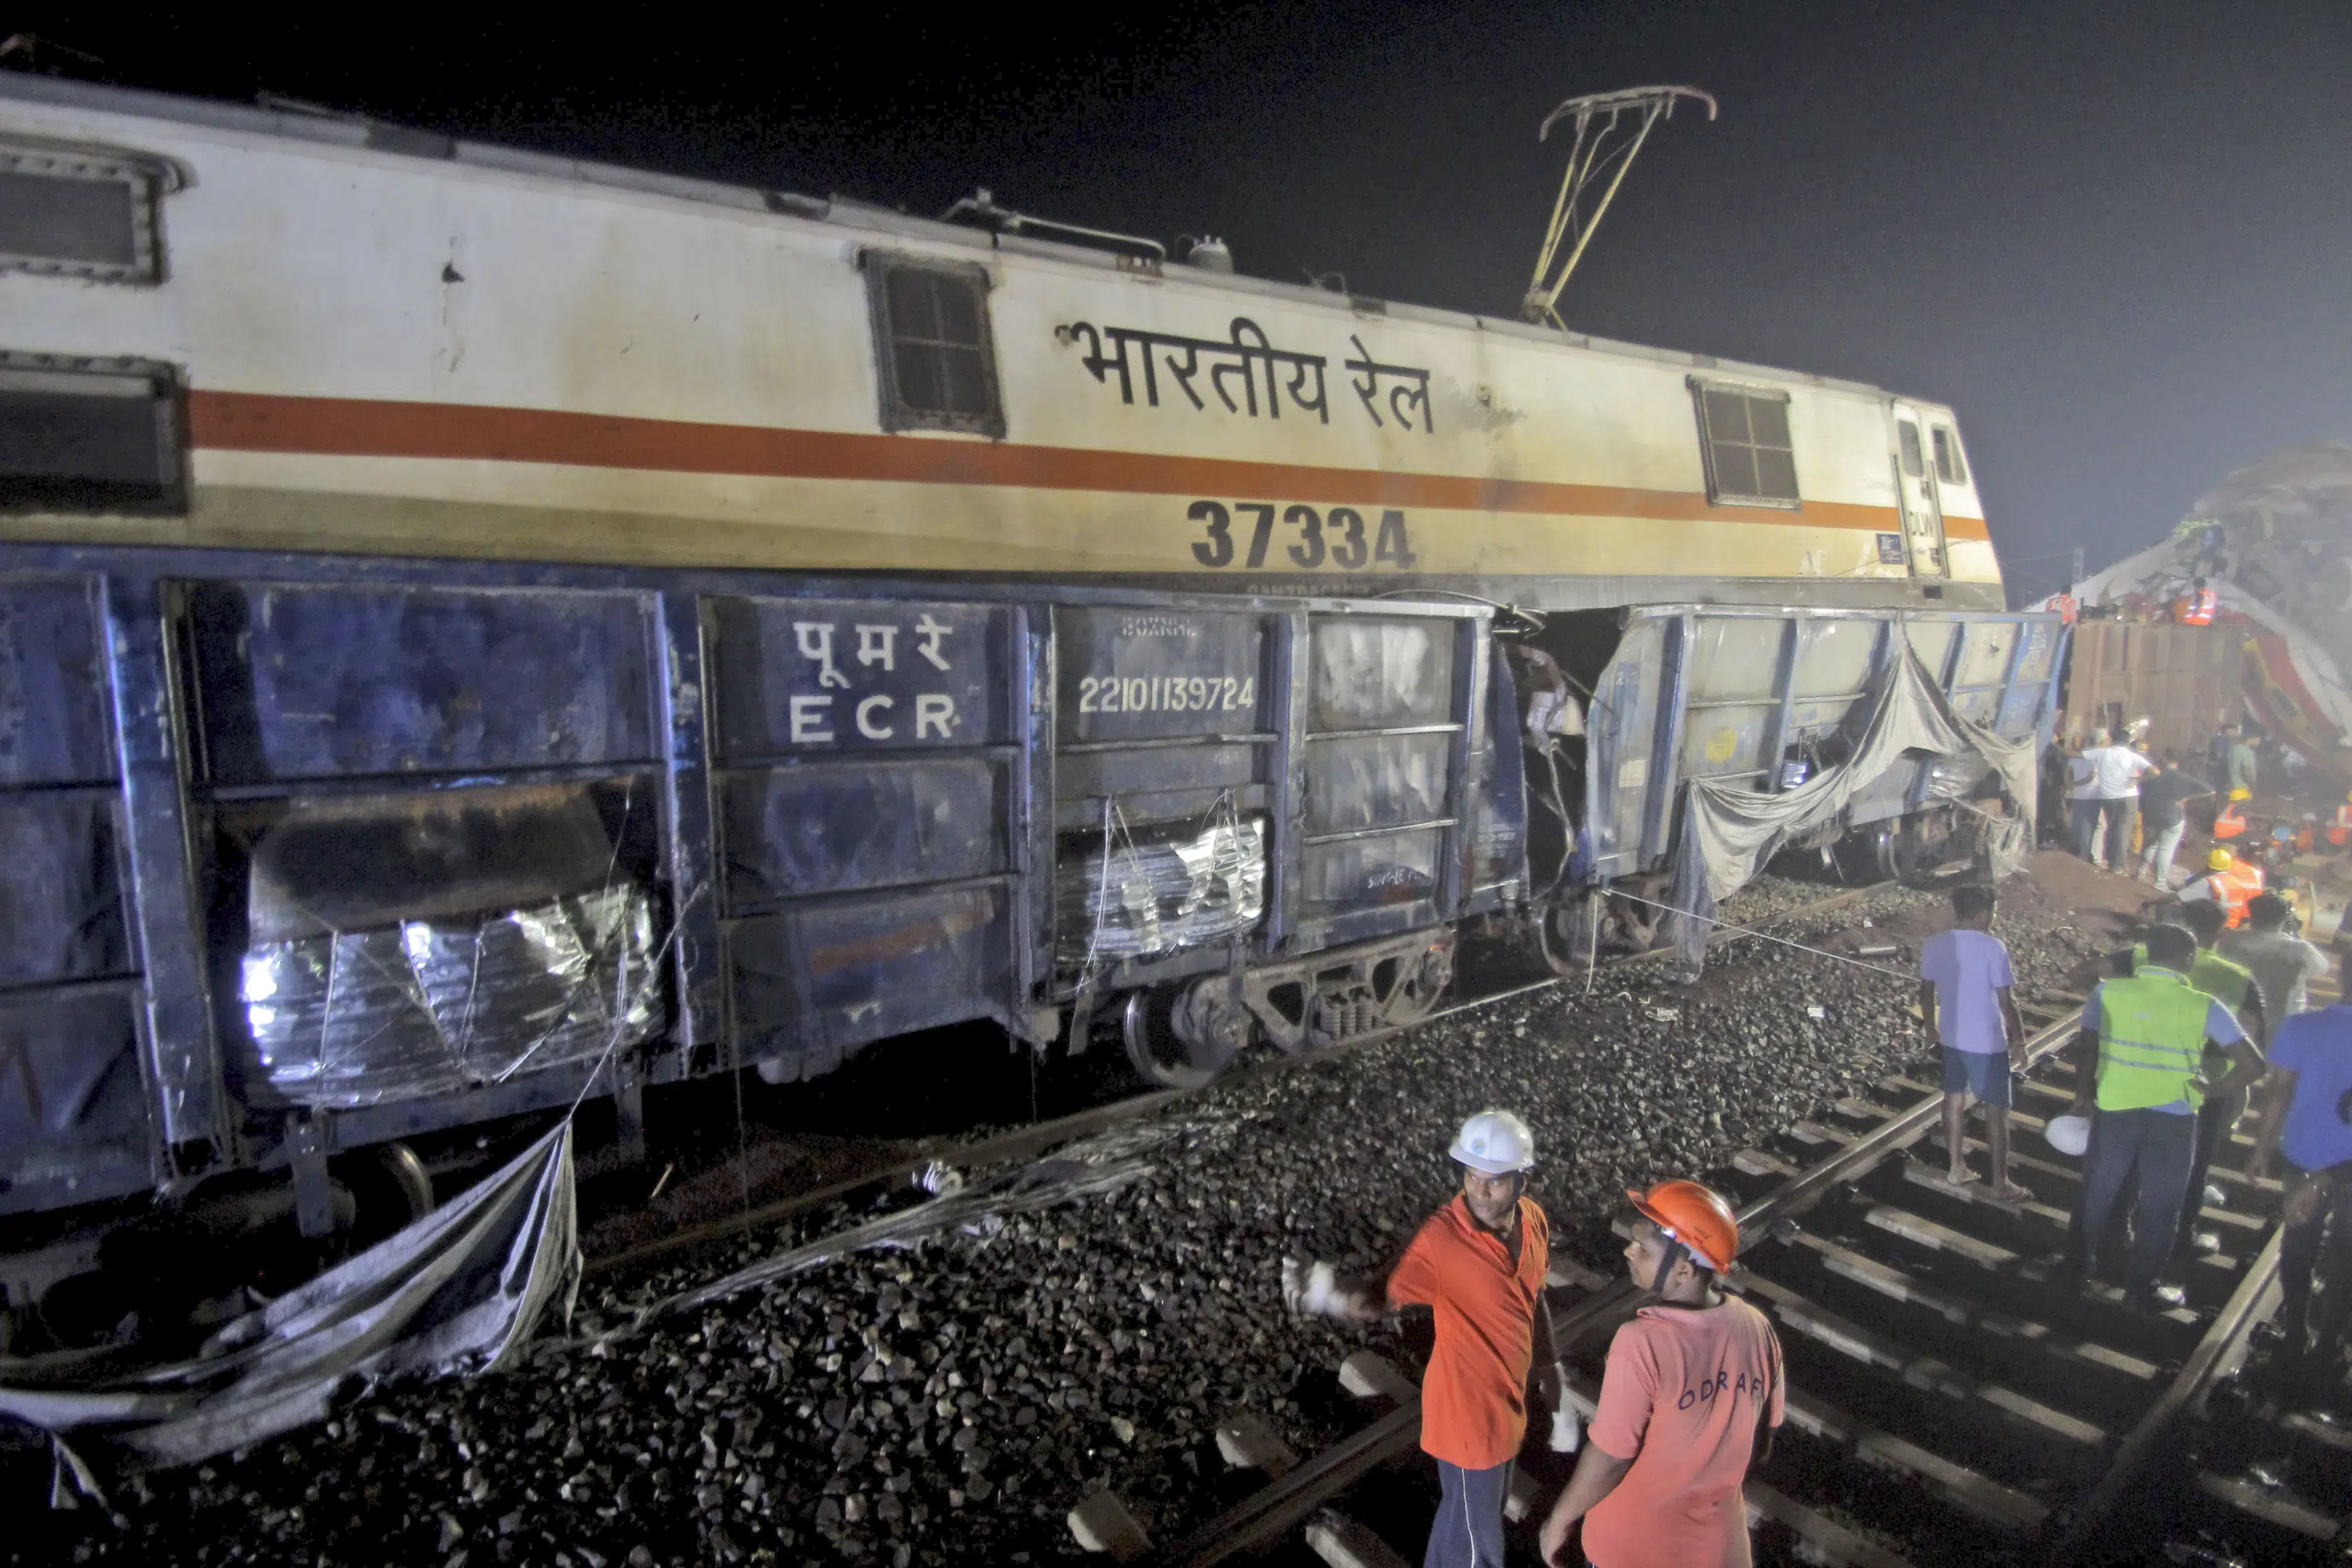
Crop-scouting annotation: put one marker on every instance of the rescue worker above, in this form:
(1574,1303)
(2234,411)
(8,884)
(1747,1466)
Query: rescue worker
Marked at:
(1691,1395)
(2230,822)
(2137,1062)
(1479,1264)
(2304,1118)
(2228,882)
(2235,986)
(2196,607)
(2339,827)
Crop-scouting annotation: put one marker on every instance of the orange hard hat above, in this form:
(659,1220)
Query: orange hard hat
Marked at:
(1694,1216)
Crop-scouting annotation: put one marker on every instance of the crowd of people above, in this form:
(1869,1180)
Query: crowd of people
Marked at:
(2190,1026)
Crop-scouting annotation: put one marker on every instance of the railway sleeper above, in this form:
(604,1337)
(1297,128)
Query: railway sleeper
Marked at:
(2227,1221)
(1820,1538)
(2040,1285)
(2003,1507)
(2029,1344)
(2274,1508)
(1923,1373)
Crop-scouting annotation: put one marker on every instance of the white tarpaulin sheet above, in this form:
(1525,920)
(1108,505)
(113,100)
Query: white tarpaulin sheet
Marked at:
(1728,833)
(459,1291)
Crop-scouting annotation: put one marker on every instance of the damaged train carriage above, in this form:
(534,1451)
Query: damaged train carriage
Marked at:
(478,629)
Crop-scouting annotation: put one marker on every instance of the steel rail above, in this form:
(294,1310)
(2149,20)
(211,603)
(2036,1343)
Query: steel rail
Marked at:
(2249,1305)
(1265,1517)
(1022,1142)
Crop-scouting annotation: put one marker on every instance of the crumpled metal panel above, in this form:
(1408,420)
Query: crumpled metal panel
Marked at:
(1151,894)
(356,1018)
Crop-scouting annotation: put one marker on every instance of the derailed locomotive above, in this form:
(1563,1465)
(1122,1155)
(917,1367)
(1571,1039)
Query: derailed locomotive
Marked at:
(479,630)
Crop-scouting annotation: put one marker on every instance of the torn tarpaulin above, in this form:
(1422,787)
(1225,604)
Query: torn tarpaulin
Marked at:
(456,1292)
(1728,832)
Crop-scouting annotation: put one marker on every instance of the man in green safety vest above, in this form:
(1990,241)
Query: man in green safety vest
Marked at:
(2230,984)
(2138,1061)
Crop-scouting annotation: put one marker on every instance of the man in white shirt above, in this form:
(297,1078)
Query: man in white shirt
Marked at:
(2116,772)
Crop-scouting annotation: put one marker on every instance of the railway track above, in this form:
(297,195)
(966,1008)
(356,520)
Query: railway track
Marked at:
(1028,1141)
(1954,1396)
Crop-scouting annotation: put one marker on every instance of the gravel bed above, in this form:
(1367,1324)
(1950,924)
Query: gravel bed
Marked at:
(950,1401)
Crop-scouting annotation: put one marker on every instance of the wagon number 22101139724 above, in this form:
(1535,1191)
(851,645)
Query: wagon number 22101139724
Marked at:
(1340,537)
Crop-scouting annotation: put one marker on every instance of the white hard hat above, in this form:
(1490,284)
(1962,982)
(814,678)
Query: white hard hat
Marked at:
(2068,1134)
(1497,1142)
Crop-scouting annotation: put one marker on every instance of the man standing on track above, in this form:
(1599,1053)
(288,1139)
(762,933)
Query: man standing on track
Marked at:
(1479,1263)
(1968,1007)
(1690,1395)
(2137,1058)
(2307,1116)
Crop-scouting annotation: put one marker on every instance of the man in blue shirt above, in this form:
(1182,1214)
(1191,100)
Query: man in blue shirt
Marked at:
(1970,1008)
(2307,1117)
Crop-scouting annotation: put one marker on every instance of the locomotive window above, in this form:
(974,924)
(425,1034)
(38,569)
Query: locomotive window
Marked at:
(1745,434)
(1950,466)
(1910,432)
(88,441)
(931,345)
(79,215)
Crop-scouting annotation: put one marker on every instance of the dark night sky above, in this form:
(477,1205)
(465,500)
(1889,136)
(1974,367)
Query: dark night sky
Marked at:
(2117,239)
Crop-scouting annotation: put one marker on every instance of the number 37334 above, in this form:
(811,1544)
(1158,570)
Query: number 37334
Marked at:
(1245,534)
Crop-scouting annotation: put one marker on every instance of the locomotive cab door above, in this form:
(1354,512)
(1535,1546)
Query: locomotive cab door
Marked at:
(1914,486)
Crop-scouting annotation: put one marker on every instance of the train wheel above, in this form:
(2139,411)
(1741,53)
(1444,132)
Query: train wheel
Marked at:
(390,1188)
(1176,1039)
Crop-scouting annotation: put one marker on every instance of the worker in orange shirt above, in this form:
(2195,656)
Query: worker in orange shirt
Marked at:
(1479,1264)
(2339,827)
(2228,882)
(1691,1393)
(2230,822)
(2196,607)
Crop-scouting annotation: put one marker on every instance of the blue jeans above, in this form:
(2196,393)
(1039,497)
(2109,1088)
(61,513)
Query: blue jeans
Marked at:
(1468,1530)
(2159,1149)
(2088,821)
